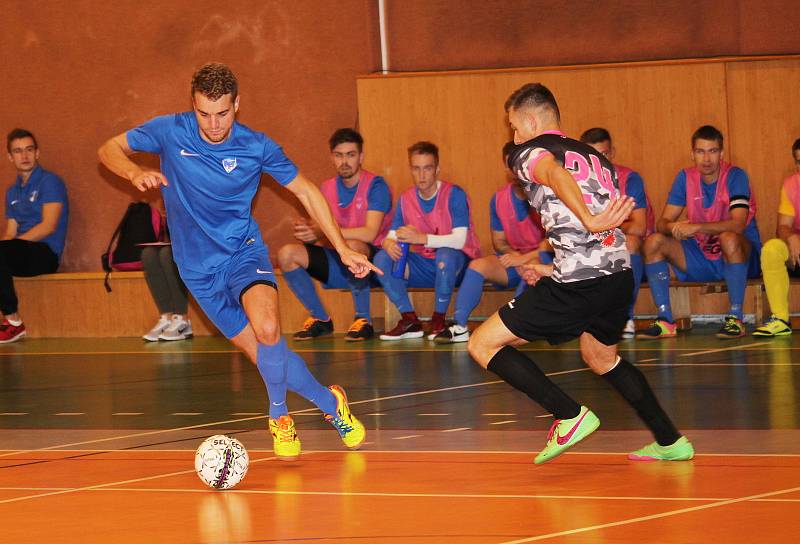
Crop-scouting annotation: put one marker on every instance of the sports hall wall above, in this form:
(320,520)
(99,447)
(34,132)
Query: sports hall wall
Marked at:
(78,72)
(651,109)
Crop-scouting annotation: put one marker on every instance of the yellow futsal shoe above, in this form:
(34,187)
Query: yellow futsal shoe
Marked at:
(350,429)
(774,326)
(284,438)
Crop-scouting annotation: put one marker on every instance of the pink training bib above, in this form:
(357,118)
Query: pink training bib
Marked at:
(438,221)
(354,214)
(792,187)
(525,235)
(718,211)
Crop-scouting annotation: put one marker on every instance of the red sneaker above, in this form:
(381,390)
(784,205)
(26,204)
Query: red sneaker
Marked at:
(408,327)
(437,325)
(11,333)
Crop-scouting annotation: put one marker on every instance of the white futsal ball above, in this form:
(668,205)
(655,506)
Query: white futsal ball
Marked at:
(221,461)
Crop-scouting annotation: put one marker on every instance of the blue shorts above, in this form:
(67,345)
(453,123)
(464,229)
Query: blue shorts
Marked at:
(700,269)
(422,271)
(219,294)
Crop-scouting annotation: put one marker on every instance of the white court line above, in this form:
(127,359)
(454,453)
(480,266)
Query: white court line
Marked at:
(497,414)
(375,414)
(124,482)
(70,414)
(297,412)
(646,361)
(654,516)
(247,414)
(732,348)
(434,414)
(128,414)
(406,437)
(503,422)
(13,413)
(186,414)
(455,430)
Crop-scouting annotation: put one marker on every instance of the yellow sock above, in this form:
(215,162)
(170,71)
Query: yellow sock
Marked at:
(774,255)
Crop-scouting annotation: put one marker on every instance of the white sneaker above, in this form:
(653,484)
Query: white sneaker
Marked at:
(453,334)
(630,329)
(179,329)
(152,336)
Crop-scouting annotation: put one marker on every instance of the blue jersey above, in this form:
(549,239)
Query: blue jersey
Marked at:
(24,205)
(459,209)
(210,186)
(634,188)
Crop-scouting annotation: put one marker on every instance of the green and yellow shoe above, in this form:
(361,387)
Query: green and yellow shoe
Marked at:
(565,433)
(350,429)
(285,443)
(681,450)
(774,326)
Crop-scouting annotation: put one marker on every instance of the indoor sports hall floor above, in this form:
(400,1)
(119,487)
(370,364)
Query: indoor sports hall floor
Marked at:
(97,442)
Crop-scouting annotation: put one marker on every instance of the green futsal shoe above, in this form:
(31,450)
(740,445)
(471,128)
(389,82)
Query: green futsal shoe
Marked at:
(565,433)
(681,450)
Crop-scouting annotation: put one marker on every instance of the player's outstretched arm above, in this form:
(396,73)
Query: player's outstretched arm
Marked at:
(317,207)
(114,154)
(548,172)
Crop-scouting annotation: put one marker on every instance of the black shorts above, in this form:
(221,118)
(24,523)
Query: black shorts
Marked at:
(318,264)
(559,312)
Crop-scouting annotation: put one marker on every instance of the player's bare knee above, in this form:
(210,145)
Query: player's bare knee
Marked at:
(479,266)
(732,245)
(653,246)
(267,333)
(479,349)
(599,365)
(287,257)
(633,243)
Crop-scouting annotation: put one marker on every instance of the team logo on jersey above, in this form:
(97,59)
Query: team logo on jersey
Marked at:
(229,164)
(33,196)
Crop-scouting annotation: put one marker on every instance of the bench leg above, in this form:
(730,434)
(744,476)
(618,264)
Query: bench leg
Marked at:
(681,307)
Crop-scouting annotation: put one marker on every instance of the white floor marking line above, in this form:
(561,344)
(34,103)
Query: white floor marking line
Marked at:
(375,414)
(123,482)
(731,348)
(13,413)
(247,414)
(455,430)
(497,414)
(654,516)
(297,412)
(128,414)
(70,414)
(544,415)
(406,437)
(434,414)
(186,414)
(646,360)
(503,422)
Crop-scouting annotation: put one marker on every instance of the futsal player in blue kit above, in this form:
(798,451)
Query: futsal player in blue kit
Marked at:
(211,167)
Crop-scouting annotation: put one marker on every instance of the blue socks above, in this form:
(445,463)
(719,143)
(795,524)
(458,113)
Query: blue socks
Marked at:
(300,381)
(449,263)
(736,278)
(469,295)
(303,287)
(360,290)
(395,288)
(272,365)
(658,279)
(637,264)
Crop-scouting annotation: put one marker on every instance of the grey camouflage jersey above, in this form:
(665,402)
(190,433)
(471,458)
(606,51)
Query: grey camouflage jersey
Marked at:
(580,254)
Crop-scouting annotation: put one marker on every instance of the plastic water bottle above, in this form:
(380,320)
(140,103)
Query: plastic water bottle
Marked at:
(399,266)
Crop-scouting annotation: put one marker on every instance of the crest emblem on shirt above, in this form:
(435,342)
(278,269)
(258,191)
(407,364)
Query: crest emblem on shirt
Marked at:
(229,164)
(33,196)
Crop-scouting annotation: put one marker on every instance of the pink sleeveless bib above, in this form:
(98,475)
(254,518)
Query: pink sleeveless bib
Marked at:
(622,176)
(718,211)
(354,214)
(438,221)
(525,235)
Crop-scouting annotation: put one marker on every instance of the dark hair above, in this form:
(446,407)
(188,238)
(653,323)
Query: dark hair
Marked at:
(508,148)
(707,132)
(595,136)
(533,95)
(346,135)
(795,145)
(17,134)
(424,148)
(214,80)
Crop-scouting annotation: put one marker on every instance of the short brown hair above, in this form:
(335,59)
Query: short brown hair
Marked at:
(424,148)
(19,133)
(533,95)
(214,80)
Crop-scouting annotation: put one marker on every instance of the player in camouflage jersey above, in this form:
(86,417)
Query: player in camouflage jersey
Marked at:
(585,293)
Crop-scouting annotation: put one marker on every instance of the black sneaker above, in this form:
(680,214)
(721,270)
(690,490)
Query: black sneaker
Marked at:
(361,329)
(313,328)
(731,328)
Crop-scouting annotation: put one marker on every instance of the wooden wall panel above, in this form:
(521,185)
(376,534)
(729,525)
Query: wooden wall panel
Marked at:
(763,98)
(651,111)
